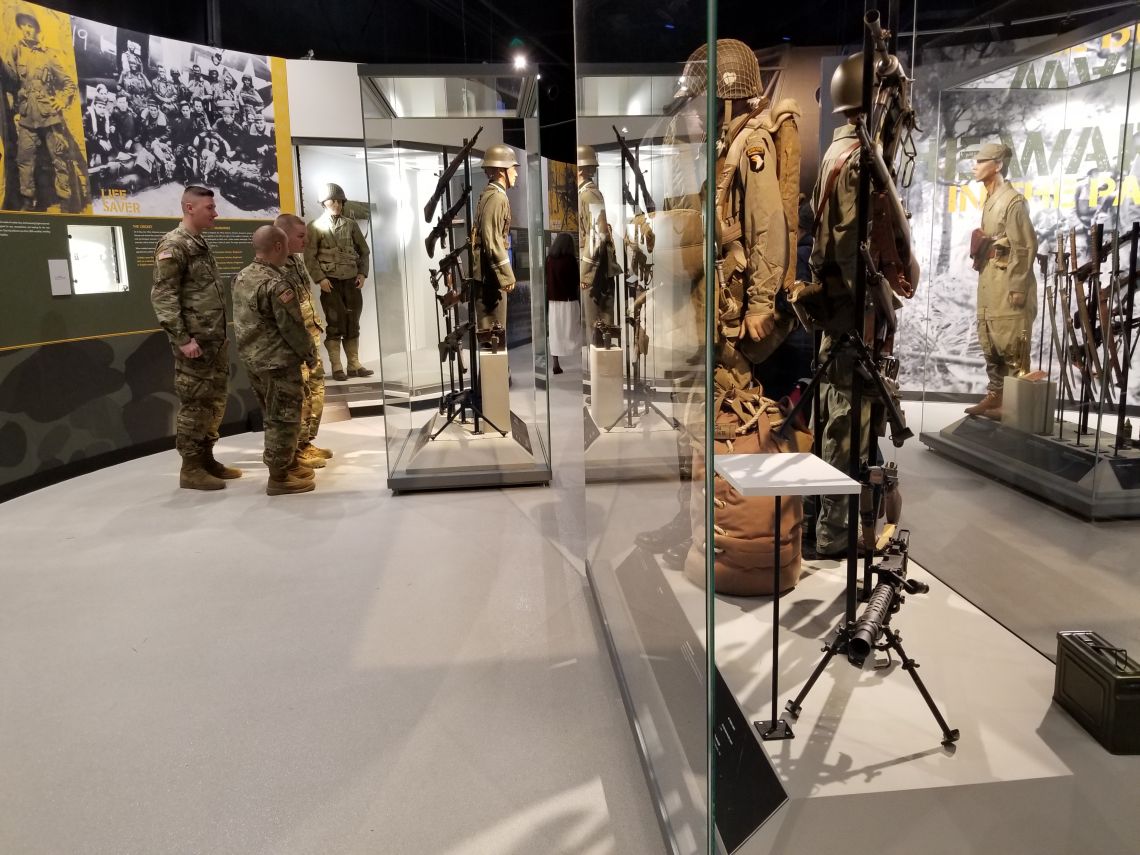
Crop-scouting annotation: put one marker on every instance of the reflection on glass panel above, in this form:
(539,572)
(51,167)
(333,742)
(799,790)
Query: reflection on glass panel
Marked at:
(1044,378)
(464,394)
(96,255)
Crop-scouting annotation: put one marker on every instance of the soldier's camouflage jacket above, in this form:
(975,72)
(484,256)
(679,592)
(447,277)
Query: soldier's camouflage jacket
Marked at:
(492,226)
(42,88)
(187,294)
(268,325)
(1005,219)
(335,248)
(299,277)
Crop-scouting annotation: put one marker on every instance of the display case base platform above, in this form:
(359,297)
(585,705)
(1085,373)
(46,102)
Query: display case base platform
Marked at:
(647,449)
(866,771)
(458,457)
(1096,485)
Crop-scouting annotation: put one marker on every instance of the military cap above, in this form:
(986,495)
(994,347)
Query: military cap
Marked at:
(994,151)
(26,19)
(213,72)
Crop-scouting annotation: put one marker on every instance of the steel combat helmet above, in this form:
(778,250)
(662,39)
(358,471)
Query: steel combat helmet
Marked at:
(737,72)
(334,192)
(500,156)
(587,156)
(847,85)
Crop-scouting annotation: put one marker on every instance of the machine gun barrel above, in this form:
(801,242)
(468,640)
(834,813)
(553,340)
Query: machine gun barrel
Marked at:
(869,628)
(878,36)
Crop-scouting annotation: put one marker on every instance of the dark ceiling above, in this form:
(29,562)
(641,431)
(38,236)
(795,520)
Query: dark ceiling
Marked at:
(611,31)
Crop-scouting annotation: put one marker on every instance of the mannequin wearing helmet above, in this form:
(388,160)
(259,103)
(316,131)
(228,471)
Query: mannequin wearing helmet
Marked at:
(490,236)
(595,244)
(336,257)
(756,214)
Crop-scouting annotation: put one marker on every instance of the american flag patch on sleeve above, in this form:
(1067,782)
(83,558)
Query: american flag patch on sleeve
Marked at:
(287,296)
(165,254)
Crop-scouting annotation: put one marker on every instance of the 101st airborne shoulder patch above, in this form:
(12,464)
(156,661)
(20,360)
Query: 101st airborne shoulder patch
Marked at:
(286,296)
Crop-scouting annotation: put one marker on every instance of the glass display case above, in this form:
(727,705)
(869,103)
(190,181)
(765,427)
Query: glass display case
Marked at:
(1062,426)
(464,386)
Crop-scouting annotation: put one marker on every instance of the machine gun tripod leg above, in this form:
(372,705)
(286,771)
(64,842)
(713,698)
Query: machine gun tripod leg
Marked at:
(456,404)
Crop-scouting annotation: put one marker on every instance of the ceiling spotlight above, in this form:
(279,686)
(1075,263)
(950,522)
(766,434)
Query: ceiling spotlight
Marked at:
(625,130)
(520,62)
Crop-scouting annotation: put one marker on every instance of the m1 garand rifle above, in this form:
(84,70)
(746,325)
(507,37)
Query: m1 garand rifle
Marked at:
(442,229)
(1093,371)
(641,190)
(1057,340)
(448,174)
(1105,301)
(1123,427)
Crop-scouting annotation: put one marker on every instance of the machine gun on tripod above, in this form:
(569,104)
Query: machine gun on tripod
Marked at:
(873,630)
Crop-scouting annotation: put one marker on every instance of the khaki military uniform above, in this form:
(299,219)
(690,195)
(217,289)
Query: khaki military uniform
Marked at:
(42,91)
(594,242)
(834,260)
(314,378)
(1004,331)
(335,249)
(491,259)
(189,302)
(273,344)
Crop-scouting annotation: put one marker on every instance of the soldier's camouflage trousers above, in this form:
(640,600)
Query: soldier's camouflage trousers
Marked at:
(1000,339)
(313,405)
(201,385)
(28,143)
(280,393)
(831,529)
(342,306)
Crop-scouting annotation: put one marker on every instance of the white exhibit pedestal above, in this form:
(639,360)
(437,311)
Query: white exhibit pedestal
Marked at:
(793,473)
(606,401)
(1027,405)
(494,374)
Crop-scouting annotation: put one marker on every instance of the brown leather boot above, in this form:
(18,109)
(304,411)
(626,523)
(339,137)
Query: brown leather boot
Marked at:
(332,345)
(992,401)
(281,483)
(217,469)
(195,477)
(352,351)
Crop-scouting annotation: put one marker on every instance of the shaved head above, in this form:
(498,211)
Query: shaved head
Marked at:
(295,230)
(271,244)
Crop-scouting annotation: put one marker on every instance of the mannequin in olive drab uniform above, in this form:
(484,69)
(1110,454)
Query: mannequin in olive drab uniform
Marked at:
(273,344)
(1007,289)
(337,259)
(41,90)
(190,306)
(491,234)
(313,405)
(595,245)
(756,201)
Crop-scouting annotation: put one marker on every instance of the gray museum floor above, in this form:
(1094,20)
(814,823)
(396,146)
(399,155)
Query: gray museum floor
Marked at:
(352,671)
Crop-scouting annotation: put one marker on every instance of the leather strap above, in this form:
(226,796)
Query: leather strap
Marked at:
(832,180)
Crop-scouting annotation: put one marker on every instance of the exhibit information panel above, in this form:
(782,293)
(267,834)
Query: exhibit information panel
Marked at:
(455,201)
(1029,193)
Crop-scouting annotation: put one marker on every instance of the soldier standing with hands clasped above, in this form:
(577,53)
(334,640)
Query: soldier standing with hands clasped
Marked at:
(314,376)
(337,258)
(273,344)
(1003,250)
(489,239)
(595,242)
(190,306)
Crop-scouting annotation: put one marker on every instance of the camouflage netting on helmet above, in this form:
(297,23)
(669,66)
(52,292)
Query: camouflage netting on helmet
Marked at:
(738,72)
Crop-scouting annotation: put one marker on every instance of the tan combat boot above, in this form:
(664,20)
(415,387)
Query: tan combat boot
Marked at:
(992,401)
(323,452)
(195,477)
(355,369)
(217,469)
(281,483)
(308,455)
(300,470)
(332,345)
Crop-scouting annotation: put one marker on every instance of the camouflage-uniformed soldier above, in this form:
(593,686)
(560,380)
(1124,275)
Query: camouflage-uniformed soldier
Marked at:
(336,256)
(314,377)
(490,236)
(190,306)
(1007,288)
(43,91)
(273,344)
(595,244)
